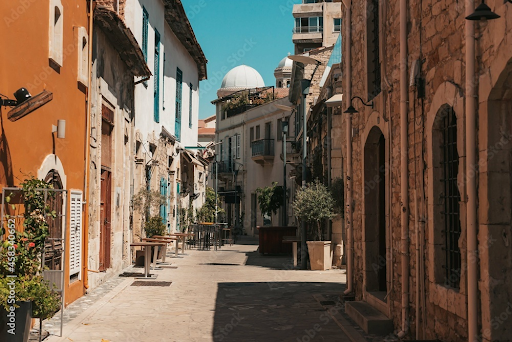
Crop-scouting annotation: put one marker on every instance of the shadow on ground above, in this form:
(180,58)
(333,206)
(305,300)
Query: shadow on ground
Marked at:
(277,311)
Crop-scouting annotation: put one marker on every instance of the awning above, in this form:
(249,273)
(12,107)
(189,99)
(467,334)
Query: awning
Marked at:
(192,159)
(335,101)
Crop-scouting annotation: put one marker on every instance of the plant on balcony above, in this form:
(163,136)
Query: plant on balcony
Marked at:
(236,102)
(314,204)
(270,199)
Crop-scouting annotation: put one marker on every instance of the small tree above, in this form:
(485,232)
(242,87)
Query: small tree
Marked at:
(146,202)
(314,204)
(207,212)
(154,226)
(270,198)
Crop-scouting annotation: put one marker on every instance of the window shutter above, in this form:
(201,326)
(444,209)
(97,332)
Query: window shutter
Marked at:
(145,26)
(238,146)
(75,233)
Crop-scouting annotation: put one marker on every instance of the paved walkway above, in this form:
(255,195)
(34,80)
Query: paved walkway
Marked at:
(233,294)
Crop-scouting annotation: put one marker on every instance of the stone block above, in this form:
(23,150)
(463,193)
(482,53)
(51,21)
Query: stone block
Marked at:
(368,318)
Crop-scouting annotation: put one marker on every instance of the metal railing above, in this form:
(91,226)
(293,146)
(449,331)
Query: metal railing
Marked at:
(308,29)
(263,147)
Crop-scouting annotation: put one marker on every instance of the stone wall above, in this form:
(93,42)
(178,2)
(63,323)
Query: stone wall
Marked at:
(436,38)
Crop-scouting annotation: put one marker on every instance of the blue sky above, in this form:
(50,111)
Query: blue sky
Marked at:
(234,32)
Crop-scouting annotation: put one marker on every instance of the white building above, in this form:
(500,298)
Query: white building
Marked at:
(249,150)
(167,107)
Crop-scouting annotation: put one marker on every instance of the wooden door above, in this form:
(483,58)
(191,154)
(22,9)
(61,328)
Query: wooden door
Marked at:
(105,219)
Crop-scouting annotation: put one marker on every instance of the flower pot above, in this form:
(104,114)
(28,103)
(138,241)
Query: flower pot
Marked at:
(15,326)
(320,255)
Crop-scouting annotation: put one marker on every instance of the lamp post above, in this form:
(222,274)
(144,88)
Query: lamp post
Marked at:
(285,133)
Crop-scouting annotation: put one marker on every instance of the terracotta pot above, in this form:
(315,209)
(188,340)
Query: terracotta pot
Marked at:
(320,255)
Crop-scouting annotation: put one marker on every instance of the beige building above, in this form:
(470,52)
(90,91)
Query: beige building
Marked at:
(317,24)
(428,167)
(249,145)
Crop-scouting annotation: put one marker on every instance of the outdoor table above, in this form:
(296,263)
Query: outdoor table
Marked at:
(147,255)
(227,235)
(294,240)
(165,240)
(170,238)
(182,237)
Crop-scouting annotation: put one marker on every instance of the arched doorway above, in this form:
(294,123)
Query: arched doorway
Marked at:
(53,244)
(375,211)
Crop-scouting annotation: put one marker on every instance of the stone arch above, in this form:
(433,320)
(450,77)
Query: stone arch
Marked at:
(50,163)
(495,193)
(447,96)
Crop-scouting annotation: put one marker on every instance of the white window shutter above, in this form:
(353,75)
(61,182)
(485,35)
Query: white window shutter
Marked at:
(75,233)
(238,146)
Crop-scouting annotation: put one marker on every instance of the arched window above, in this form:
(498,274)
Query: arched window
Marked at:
(53,245)
(56,39)
(446,198)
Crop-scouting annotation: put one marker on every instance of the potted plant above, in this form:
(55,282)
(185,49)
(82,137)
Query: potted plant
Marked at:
(314,204)
(23,291)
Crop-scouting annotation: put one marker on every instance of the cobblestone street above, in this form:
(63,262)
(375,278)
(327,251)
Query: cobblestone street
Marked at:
(233,294)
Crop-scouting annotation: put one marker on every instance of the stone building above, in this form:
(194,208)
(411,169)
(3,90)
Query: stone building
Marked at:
(317,24)
(112,142)
(427,167)
(167,107)
(249,143)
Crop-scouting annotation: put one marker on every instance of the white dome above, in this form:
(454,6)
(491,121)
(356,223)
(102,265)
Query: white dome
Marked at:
(285,63)
(242,77)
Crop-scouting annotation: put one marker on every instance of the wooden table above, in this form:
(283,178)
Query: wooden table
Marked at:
(165,240)
(170,238)
(294,240)
(147,255)
(182,237)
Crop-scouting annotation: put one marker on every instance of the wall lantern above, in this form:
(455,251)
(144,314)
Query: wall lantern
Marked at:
(60,129)
(483,12)
(21,96)
(352,110)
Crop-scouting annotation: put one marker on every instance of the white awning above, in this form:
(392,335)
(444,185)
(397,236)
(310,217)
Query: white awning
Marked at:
(335,101)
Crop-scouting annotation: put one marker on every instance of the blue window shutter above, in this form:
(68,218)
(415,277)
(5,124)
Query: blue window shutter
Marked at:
(157,77)
(179,92)
(145,27)
(190,108)
(163,207)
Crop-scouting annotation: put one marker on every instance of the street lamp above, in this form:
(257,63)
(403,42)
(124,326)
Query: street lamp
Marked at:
(483,12)
(351,110)
(284,129)
(306,60)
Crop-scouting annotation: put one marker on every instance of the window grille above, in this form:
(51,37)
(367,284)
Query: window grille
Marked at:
(179,92)
(451,199)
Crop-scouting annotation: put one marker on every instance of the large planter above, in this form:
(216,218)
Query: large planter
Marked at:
(320,255)
(15,326)
(271,239)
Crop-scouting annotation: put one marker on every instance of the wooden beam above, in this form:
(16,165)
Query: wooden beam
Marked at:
(30,105)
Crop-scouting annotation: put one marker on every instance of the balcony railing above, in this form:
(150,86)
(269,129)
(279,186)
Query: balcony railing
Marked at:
(263,147)
(239,110)
(308,29)
(225,166)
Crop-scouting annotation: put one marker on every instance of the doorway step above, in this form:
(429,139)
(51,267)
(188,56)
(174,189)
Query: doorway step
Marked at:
(371,320)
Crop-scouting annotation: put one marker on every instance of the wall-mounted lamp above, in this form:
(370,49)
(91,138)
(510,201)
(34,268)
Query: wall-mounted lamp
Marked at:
(21,96)
(60,129)
(483,12)
(352,110)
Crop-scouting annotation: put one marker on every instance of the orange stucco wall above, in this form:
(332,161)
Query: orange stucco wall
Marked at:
(24,62)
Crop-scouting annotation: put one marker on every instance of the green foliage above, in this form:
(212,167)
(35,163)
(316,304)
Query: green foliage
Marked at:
(337,190)
(154,226)
(207,212)
(270,198)
(148,201)
(45,300)
(314,204)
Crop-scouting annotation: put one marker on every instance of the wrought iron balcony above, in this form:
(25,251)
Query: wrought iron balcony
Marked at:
(263,151)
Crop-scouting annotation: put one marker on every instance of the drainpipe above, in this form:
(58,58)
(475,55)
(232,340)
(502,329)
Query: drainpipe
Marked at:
(85,263)
(471,176)
(350,232)
(404,179)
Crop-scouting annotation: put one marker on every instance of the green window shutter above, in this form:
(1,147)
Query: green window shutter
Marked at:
(157,77)
(145,27)
(179,92)
(190,108)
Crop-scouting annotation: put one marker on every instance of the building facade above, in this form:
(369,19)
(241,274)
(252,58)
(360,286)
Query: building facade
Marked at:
(249,144)
(317,24)
(52,64)
(428,166)
(167,107)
